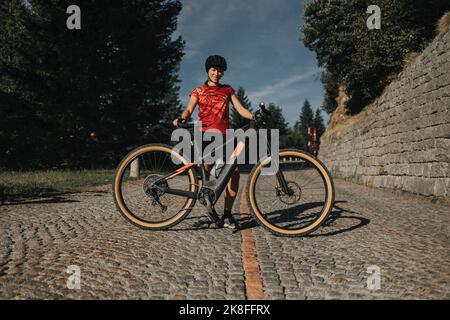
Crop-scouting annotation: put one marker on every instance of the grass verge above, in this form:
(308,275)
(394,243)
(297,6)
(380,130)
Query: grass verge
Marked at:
(16,185)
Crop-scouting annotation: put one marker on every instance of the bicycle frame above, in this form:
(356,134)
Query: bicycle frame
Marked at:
(218,187)
(221,182)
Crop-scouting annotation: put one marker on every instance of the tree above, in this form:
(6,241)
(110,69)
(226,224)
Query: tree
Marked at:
(274,119)
(318,124)
(306,120)
(27,127)
(331,88)
(293,139)
(364,60)
(84,97)
(236,121)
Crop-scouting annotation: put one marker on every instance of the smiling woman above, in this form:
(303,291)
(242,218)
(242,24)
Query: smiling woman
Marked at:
(265,50)
(213,100)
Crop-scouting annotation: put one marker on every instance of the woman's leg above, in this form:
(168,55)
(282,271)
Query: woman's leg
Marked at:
(231,190)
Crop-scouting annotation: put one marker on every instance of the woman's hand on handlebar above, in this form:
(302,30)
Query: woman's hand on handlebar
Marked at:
(177,121)
(184,124)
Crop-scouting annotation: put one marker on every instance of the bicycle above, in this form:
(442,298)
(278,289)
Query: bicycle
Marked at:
(293,202)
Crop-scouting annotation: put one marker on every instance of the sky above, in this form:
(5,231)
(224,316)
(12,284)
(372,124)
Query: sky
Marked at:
(260,41)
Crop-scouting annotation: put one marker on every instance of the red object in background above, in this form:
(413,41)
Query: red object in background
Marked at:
(312,140)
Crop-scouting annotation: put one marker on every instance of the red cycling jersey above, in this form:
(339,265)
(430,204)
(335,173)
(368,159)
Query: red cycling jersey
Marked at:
(213,106)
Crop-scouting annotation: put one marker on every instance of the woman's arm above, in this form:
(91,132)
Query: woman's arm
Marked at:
(244,113)
(187,113)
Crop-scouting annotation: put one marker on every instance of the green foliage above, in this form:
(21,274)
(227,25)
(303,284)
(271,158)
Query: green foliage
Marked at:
(275,120)
(82,98)
(364,60)
(318,123)
(331,88)
(306,120)
(236,121)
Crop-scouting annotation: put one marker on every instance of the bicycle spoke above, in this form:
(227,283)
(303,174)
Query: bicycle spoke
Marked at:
(296,210)
(149,204)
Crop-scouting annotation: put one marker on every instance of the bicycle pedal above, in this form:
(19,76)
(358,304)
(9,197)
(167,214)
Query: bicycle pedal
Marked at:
(214,218)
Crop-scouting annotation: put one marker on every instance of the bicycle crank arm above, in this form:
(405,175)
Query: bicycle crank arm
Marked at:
(212,214)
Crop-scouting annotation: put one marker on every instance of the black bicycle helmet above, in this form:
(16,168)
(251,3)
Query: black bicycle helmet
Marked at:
(216,61)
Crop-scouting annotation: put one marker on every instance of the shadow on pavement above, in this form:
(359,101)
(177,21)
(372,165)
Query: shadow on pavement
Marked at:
(51,198)
(202,223)
(336,214)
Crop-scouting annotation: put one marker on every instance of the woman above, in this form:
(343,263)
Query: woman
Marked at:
(212,98)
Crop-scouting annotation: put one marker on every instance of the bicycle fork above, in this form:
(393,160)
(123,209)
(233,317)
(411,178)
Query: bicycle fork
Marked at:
(280,176)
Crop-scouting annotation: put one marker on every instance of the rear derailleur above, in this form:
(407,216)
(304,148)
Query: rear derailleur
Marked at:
(154,186)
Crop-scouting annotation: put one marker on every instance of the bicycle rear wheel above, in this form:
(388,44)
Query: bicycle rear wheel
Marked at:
(139,201)
(308,205)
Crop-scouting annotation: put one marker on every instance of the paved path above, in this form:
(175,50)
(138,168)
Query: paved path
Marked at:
(406,236)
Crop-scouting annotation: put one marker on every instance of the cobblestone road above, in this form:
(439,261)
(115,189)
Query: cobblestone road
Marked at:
(406,236)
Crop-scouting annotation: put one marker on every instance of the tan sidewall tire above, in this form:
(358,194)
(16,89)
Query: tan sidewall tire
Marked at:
(117,193)
(252,204)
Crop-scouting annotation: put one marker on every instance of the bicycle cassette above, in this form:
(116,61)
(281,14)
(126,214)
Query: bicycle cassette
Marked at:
(154,185)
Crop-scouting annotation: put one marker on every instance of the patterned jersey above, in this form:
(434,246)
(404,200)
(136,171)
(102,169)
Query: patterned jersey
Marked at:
(213,104)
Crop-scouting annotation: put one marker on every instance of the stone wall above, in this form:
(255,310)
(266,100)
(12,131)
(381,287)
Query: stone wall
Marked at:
(401,140)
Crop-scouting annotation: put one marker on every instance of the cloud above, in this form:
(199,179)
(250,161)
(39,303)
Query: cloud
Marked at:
(283,88)
(200,20)
(260,40)
(190,53)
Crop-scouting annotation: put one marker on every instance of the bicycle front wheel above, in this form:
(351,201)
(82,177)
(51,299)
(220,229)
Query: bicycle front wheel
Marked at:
(307,204)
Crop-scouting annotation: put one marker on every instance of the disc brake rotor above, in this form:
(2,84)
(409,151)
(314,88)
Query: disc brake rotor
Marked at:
(290,199)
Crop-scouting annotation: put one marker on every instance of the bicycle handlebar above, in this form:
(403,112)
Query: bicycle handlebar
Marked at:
(259,117)
(191,125)
(262,106)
